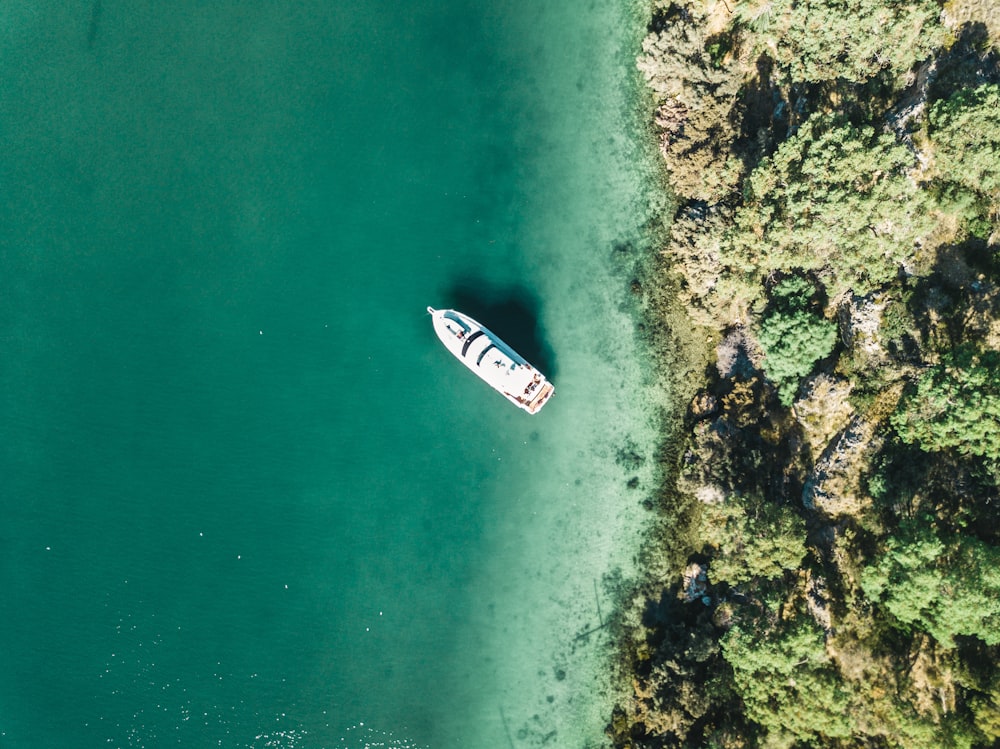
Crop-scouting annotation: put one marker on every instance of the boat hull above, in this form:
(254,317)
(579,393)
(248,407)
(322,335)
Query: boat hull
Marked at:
(493,361)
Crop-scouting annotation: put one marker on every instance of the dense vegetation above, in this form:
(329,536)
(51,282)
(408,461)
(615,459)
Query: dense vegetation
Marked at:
(836,167)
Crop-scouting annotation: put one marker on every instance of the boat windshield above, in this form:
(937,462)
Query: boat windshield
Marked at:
(452,317)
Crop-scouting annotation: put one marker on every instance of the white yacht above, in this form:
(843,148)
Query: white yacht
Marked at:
(494,361)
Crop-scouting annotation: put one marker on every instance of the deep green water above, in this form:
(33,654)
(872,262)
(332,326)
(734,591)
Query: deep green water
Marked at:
(247,498)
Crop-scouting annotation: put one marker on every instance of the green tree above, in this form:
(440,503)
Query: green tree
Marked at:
(964,130)
(792,688)
(793,337)
(835,199)
(822,40)
(785,678)
(986,709)
(753,540)
(943,586)
(955,406)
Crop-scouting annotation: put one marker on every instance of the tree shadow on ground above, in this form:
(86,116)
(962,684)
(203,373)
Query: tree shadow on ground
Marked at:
(762,115)
(971,61)
(512,312)
(960,296)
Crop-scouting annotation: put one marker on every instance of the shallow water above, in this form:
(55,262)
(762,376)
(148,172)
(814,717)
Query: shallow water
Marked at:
(248,498)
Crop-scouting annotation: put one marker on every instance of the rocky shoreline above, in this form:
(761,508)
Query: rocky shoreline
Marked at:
(825,565)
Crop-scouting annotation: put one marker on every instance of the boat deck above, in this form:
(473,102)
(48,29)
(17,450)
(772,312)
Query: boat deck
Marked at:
(540,397)
(492,360)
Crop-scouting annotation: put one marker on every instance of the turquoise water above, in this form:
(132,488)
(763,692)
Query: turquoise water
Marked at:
(248,499)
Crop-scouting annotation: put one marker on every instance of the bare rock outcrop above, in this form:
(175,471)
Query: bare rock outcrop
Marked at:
(835,487)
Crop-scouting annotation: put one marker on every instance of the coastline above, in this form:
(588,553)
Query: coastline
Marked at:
(782,500)
(578,525)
